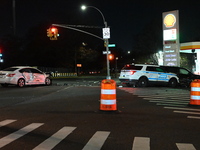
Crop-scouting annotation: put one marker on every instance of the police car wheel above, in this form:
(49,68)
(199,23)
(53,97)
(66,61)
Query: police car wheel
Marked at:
(173,82)
(143,82)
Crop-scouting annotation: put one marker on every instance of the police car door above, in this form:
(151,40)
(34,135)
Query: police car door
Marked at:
(151,73)
(162,76)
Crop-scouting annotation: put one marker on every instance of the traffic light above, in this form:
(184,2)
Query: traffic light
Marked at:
(110,56)
(52,33)
(49,33)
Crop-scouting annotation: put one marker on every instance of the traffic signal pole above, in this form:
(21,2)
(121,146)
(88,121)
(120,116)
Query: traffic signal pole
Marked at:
(107,60)
(105,40)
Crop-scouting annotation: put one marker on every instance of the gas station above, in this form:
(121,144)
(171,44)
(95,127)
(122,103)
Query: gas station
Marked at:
(192,47)
(171,45)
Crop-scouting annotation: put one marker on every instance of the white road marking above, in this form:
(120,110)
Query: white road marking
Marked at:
(175,105)
(152,98)
(169,102)
(97,140)
(6,122)
(193,117)
(12,137)
(141,143)
(52,141)
(185,146)
(165,98)
(187,112)
(182,108)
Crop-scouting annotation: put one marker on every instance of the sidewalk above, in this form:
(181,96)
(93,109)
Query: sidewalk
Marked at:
(82,81)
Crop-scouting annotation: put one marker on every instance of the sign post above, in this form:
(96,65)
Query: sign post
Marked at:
(171,45)
(106,36)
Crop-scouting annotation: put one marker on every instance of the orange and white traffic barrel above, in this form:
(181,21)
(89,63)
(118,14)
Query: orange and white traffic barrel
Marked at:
(195,92)
(108,95)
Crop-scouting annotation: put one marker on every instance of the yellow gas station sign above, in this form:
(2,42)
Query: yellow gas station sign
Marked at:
(169,20)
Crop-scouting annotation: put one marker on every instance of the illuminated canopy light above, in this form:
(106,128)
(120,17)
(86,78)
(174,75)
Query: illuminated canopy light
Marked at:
(169,20)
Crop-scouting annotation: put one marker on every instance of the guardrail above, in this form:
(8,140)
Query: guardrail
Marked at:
(58,75)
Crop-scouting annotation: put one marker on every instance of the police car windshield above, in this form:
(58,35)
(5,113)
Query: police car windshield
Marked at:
(132,67)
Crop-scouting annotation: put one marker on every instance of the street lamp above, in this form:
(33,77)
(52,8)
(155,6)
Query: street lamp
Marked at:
(83,7)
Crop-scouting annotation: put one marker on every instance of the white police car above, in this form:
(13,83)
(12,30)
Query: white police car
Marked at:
(142,75)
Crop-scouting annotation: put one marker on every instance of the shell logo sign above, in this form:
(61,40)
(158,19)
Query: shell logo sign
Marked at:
(169,20)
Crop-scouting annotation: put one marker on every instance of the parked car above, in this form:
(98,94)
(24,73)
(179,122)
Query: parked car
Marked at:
(142,75)
(185,76)
(23,75)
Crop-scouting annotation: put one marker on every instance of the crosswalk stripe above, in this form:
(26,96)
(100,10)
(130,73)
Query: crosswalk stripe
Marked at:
(6,122)
(167,96)
(181,98)
(141,143)
(168,102)
(187,112)
(11,137)
(185,146)
(193,117)
(95,143)
(55,139)
(174,105)
(182,108)
(97,140)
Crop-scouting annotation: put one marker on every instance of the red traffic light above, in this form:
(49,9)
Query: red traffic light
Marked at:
(110,56)
(52,33)
(53,30)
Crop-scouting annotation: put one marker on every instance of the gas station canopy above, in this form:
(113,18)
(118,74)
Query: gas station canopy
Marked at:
(190,47)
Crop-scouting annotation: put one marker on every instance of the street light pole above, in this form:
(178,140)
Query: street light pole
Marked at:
(105,40)
(14,18)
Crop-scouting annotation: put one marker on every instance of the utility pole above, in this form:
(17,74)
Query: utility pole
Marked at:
(14,18)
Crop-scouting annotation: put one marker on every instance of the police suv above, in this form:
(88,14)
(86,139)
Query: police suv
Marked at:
(142,75)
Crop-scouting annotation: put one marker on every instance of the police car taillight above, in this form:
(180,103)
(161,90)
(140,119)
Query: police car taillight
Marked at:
(132,72)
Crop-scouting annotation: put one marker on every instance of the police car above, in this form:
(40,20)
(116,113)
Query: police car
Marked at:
(142,75)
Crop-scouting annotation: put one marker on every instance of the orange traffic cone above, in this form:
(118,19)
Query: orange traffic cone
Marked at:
(108,95)
(195,92)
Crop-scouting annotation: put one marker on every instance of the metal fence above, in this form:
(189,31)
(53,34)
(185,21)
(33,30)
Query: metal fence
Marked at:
(58,72)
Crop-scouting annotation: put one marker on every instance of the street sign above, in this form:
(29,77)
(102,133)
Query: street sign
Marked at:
(106,33)
(105,52)
(111,45)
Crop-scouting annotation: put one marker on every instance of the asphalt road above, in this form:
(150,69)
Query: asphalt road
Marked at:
(66,115)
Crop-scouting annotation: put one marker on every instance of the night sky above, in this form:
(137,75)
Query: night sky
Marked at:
(126,18)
